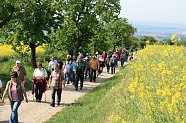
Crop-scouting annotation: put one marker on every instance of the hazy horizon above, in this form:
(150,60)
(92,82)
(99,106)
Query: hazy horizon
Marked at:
(163,11)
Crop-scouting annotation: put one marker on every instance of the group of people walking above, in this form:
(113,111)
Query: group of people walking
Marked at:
(72,70)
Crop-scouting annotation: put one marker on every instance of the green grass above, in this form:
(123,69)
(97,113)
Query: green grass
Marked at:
(94,107)
(6,68)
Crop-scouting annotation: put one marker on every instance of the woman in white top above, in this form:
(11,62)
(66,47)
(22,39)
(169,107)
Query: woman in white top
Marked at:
(39,77)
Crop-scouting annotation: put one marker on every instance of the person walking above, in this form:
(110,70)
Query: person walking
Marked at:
(122,58)
(52,63)
(20,69)
(93,68)
(80,69)
(55,82)
(75,73)
(107,62)
(67,71)
(39,77)
(113,64)
(15,89)
(87,66)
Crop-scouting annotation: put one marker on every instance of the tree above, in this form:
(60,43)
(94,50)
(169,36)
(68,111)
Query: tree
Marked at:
(81,19)
(149,39)
(6,12)
(32,20)
(119,32)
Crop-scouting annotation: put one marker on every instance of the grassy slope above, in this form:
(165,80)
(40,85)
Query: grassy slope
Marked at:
(91,108)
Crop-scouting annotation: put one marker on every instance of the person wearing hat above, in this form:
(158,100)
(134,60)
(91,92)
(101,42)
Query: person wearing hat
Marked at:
(15,89)
(20,69)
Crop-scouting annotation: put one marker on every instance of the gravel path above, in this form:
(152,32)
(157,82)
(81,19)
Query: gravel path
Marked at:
(34,112)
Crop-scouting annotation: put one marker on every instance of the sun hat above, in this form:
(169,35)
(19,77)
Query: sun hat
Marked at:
(18,62)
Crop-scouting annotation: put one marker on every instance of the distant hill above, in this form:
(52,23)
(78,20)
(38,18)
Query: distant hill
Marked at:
(159,30)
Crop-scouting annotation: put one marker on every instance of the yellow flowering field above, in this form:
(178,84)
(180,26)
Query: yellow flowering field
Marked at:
(6,50)
(153,87)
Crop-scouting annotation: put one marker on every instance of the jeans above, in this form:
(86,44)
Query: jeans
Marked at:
(59,91)
(75,81)
(14,114)
(81,78)
(67,77)
(87,72)
(39,90)
(113,68)
(122,62)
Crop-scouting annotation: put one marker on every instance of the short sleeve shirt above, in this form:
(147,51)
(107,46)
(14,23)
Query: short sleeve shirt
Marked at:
(56,79)
(51,64)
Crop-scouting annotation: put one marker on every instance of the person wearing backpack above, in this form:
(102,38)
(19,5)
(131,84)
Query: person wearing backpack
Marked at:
(113,64)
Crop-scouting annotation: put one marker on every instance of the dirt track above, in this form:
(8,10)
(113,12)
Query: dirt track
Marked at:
(34,112)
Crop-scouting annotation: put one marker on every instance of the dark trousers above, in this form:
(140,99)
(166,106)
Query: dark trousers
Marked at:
(87,72)
(59,91)
(122,62)
(92,75)
(108,67)
(112,69)
(81,79)
(39,90)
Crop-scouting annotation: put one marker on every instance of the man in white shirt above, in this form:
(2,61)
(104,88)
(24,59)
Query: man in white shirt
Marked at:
(52,63)
(39,77)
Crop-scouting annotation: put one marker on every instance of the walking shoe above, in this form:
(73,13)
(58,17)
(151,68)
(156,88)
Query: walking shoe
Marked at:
(52,105)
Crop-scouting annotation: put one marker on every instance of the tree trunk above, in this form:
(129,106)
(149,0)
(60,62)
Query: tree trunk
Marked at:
(33,55)
(76,48)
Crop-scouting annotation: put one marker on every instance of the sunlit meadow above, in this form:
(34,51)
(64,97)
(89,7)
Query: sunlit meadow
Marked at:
(6,50)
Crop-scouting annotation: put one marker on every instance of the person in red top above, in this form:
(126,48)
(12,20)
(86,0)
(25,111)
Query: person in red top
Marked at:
(104,55)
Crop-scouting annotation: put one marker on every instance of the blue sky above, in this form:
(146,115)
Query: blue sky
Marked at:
(168,11)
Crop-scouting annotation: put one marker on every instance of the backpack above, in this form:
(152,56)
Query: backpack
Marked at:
(113,61)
